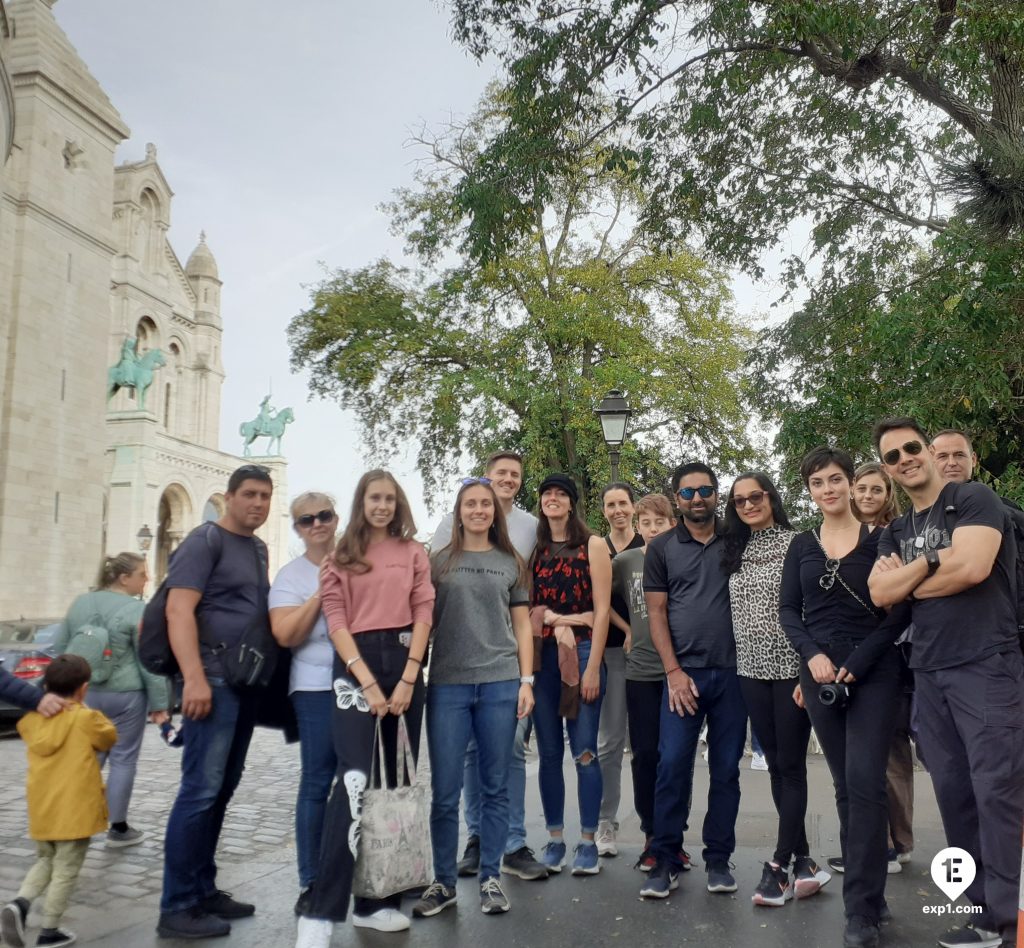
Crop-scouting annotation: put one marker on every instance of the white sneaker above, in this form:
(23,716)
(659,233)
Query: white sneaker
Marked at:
(758,762)
(605,839)
(314,932)
(383,920)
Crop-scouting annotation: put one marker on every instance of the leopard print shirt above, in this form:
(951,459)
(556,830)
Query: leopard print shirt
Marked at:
(762,649)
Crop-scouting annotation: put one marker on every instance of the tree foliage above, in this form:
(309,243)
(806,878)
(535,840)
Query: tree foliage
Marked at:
(893,129)
(467,357)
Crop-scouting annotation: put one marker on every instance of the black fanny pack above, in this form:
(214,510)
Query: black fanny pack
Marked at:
(249,665)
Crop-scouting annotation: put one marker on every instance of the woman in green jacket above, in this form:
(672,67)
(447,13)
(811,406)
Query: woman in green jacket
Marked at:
(123,690)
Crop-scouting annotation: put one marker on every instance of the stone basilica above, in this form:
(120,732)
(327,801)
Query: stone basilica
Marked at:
(85,264)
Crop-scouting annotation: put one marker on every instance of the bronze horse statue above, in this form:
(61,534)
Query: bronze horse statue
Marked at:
(137,375)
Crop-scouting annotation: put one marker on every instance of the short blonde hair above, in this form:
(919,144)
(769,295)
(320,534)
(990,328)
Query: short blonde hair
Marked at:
(311,497)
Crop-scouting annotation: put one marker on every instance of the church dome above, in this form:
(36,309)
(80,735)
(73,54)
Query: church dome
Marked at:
(201,262)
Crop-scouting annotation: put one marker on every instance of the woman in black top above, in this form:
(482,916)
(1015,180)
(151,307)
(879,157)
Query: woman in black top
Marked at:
(849,677)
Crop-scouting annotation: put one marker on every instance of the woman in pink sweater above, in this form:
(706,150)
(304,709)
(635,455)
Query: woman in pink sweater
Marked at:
(378,600)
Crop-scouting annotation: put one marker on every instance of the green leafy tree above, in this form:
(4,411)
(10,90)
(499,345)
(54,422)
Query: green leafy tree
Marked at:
(469,357)
(893,130)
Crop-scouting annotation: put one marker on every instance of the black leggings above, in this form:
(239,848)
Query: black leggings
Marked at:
(352,730)
(643,714)
(783,730)
(855,740)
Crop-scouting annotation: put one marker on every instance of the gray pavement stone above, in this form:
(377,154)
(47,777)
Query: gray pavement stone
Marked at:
(116,903)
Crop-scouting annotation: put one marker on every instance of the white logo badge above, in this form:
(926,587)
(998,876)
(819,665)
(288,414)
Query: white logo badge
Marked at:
(953,870)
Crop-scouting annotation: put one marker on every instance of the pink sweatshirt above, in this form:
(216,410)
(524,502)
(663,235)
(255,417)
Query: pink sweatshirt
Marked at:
(394,594)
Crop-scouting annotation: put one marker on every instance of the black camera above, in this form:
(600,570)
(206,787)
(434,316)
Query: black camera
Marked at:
(834,694)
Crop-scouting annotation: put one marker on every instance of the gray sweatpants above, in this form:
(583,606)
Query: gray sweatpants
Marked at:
(971,721)
(611,734)
(127,709)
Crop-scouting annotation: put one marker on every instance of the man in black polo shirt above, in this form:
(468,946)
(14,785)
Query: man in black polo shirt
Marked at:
(953,554)
(690,618)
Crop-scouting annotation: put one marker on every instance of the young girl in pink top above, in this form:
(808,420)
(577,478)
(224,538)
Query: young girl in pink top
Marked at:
(378,600)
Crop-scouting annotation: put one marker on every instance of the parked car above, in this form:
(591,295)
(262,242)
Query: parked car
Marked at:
(26,648)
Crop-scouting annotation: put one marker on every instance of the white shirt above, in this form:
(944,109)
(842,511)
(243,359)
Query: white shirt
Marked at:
(313,661)
(522,531)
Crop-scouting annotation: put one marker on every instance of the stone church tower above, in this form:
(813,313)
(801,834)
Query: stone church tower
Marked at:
(85,262)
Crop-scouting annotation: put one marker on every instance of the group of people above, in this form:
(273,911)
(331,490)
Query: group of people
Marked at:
(869,628)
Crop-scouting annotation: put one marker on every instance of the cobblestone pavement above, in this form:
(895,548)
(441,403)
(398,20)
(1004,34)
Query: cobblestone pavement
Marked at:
(116,902)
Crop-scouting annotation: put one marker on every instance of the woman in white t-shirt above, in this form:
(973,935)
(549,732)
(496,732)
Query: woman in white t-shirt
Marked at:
(298,623)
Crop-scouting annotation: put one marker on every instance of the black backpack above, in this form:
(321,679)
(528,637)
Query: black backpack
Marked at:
(154,647)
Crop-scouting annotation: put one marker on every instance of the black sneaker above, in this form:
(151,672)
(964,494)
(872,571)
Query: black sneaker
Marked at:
(191,923)
(523,864)
(435,899)
(720,879)
(808,877)
(469,864)
(304,901)
(971,935)
(836,864)
(55,937)
(774,888)
(223,906)
(661,880)
(860,932)
(12,922)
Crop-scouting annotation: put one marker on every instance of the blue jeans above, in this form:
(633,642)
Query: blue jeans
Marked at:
(212,762)
(721,702)
(516,790)
(316,748)
(547,724)
(487,712)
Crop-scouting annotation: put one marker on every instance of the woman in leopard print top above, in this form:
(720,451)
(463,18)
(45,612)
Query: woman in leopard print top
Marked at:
(757,538)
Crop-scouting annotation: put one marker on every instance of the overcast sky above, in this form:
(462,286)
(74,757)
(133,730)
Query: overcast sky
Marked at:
(281,128)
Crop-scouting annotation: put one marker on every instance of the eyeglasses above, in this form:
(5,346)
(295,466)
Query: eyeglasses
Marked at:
(912,448)
(753,498)
(831,569)
(466,481)
(321,516)
(705,491)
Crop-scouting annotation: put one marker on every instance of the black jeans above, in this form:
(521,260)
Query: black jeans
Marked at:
(855,740)
(643,715)
(352,729)
(783,730)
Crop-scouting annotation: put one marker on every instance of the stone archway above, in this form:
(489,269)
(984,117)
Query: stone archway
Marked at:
(214,508)
(173,521)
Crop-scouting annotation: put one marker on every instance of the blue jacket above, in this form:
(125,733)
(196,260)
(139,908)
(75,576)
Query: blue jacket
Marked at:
(19,693)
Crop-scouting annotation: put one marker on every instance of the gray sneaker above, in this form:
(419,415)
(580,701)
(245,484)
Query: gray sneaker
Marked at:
(492,899)
(130,837)
(435,899)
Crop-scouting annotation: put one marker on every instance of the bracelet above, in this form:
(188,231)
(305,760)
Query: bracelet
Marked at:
(368,686)
(352,661)
(669,672)
(418,661)
(412,684)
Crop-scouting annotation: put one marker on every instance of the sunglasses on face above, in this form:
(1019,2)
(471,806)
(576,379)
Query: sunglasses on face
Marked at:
(911,448)
(307,520)
(753,498)
(705,491)
(466,481)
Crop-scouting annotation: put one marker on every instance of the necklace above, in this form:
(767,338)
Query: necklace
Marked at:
(919,538)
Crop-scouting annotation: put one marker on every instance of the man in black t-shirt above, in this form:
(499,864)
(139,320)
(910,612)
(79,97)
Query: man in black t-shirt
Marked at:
(953,555)
(217,582)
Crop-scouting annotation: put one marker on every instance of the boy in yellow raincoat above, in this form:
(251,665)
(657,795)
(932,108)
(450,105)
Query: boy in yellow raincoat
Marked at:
(66,802)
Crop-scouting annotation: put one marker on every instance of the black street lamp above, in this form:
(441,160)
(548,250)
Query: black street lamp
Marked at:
(145,538)
(614,412)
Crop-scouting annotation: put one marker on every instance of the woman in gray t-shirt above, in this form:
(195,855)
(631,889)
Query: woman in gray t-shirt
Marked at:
(481,683)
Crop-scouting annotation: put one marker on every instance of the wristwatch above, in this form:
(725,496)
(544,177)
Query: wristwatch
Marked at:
(933,561)
(526,679)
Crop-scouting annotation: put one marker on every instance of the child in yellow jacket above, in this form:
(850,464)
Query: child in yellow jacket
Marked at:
(66,803)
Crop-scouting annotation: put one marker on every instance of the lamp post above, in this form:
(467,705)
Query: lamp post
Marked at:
(145,538)
(614,412)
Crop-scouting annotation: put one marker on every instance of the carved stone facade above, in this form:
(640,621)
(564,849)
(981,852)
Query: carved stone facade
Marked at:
(85,262)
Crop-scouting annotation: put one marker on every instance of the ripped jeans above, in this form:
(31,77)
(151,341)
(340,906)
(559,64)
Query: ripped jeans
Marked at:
(547,724)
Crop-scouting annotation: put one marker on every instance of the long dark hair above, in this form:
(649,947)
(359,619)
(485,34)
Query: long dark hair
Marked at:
(497,533)
(737,533)
(350,553)
(576,531)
